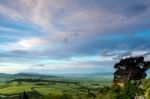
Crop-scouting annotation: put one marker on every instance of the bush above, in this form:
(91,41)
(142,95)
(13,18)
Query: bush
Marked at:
(129,91)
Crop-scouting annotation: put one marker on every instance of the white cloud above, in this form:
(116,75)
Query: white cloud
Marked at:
(32,42)
(24,44)
(92,58)
(12,68)
(10,29)
(139,52)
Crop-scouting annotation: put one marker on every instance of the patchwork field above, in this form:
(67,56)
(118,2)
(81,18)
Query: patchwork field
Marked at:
(56,87)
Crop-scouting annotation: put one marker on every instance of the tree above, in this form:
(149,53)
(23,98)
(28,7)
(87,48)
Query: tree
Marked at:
(25,96)
(131,69)
(20,96)
(19,82)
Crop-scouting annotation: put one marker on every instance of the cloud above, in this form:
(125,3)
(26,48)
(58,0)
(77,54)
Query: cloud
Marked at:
(9,29)
(72,67)
(38,31)
(30,43)
(137,9)
(119,54)
(50,14)
(12,68)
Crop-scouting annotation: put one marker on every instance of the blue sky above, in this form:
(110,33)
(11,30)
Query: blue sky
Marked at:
(71,36)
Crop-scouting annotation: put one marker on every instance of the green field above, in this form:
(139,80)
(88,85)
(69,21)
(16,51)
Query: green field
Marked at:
(56,87)
(52,87)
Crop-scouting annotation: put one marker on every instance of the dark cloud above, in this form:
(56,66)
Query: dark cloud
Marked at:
(19,51)
(66,40)
(38,65)
(136,9)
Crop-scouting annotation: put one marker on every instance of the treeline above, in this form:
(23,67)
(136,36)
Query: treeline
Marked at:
(43,80)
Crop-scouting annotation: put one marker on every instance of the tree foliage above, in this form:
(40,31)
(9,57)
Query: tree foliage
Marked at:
(131,69)
(25,96)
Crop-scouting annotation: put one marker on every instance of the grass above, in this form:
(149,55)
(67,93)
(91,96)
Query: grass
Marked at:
(57,88)
(47,91)
(15,89)
(53,89)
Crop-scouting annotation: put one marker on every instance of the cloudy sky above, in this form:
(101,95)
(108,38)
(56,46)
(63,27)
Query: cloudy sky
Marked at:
(65,36)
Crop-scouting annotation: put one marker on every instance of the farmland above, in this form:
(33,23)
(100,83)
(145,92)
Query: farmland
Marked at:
(51,86)
(60,87)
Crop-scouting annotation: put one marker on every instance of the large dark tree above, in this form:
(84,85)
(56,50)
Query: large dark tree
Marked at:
(25,96)
(131,69)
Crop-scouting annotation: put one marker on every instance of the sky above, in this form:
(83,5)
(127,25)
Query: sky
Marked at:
(71,36)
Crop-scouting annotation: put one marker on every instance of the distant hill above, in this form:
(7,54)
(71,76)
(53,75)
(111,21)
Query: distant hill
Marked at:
(6,77)
(26,75)
(98,75)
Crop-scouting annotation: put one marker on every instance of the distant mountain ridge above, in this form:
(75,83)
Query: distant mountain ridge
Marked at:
(5,77)
(56,75)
